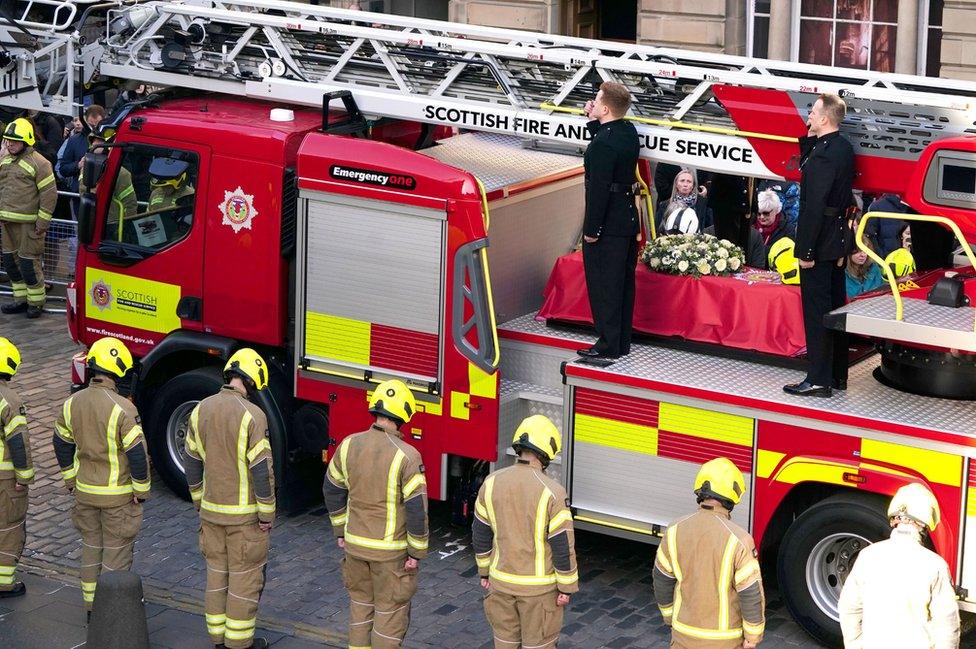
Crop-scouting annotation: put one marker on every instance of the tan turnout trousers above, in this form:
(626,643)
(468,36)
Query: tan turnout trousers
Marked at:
(237,559)
(379,606)
(107,537)
(524,622)
(13,514)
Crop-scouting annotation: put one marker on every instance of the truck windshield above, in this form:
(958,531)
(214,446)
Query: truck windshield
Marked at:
(153,196)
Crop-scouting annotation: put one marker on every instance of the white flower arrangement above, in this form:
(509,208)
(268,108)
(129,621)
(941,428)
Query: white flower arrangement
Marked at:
(692,254)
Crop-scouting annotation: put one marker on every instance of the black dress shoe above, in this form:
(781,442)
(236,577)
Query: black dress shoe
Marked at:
(589,352)
(807,389)
(34,312)
(839,384)
(260,643)
(17,307)
(18,590)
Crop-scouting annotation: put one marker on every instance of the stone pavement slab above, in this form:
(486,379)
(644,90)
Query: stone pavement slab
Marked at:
(304,594)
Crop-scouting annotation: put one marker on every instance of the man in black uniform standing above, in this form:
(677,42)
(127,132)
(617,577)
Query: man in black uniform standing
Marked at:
(823,238)
(610,228)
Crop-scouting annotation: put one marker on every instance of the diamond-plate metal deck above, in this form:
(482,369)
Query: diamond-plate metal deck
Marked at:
(527,324)
(921,322)
(864,397)
(499,160)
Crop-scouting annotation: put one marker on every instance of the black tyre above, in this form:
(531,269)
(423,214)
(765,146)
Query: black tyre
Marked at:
(168,422)
(818,552)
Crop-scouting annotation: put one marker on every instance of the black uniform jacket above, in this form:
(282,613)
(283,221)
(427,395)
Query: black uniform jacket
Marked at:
(827,167)
(611,158)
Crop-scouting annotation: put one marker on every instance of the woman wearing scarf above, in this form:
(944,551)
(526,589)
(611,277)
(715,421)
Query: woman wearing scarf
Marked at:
(685,193)
(770,223)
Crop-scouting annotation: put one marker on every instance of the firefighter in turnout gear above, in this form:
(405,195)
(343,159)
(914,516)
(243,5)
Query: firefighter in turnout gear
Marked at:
(124,203)
(900,593)
(376,494)
(28,196)
(16,472)
(524,543)
(170,183)
(231,478)
(99,445)
(706,576)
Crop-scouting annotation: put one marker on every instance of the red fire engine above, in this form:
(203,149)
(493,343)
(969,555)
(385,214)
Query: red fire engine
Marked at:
(353,246)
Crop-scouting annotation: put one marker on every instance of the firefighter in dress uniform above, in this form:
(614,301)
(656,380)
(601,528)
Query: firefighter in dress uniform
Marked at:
(706,576)
(100,448)
(823,238)
(899,593)
(16,472)
(523,542)
(170,182)
(28,196)
(231,478)
(610,227)
(376,494)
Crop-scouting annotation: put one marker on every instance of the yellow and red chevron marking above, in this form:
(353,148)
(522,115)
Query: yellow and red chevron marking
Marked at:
(662,429)
(370,344)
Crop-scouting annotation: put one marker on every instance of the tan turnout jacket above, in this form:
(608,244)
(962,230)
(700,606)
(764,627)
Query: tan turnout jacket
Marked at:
(27,188)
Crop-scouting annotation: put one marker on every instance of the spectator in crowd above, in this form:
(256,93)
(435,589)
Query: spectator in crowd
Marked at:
(789,198)
(74,149)
(862,274)
(685,192)
(48,132)
(885,234)
(732,210)
(771,223)
(679,219)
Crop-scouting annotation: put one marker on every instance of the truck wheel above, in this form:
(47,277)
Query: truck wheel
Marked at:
(169,421)
(816,555)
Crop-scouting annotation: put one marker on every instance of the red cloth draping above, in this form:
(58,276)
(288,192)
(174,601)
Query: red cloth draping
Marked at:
(728,311)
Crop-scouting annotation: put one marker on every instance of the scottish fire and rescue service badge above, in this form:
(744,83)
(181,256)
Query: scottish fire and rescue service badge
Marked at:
(101,295)
(238,209)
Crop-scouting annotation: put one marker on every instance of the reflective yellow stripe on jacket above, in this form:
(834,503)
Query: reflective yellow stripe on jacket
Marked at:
(112,488)
(243,477)
(723,632)
(388,542)
(540,529)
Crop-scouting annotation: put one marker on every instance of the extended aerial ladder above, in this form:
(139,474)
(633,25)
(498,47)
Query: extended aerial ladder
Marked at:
(723,113)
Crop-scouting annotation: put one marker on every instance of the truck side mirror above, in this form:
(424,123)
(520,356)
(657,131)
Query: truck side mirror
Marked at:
(92,172)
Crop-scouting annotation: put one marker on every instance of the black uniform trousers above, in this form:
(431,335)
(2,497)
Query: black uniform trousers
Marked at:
(609,265)
(823,289)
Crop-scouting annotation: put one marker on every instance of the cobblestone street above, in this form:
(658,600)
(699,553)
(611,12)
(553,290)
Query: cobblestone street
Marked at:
(304,595)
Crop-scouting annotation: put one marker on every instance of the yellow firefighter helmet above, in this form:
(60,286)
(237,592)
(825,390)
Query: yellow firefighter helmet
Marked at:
(247,364)
(916,502)
(20,130)
(783,260)
(722,480)
(393,399)
(9,358)
(900,262)
(538,433)
(109,356)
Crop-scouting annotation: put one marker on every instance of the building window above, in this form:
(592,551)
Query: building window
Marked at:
(759,40)
(932,53)
(436,9)
(849,33)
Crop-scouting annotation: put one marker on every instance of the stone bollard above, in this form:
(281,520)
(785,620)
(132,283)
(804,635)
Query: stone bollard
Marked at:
(118,618)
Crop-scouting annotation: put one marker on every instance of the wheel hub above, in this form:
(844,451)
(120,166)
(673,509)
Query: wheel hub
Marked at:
(177,429)
(829,564)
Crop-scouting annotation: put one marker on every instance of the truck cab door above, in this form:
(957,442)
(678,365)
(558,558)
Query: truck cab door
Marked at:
(143,271)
